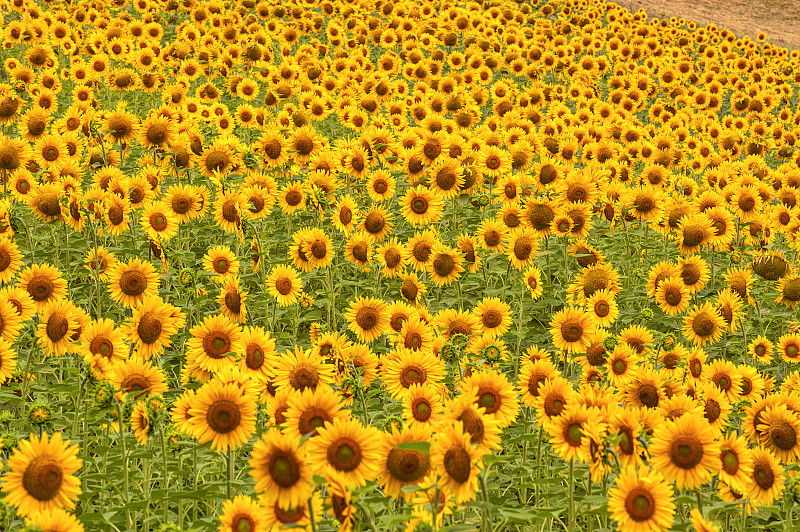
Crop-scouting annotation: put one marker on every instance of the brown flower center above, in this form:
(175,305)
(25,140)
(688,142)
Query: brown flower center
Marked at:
(41,288)
(223,416)
(284,469)
(132,283)
(412,374)
(640,504)
(686,451)
(57,326)
(157,134)
(782,435)
(344,454)
(408,465)
(149,328)
(42,478)
(457,464)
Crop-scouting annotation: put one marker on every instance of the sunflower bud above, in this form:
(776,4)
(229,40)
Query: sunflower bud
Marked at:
(170,527)
(609,342)
(459,340)
(103,394)
(6,416)
(392,421)
(646,314)
(450,353)
(40,413)
(8,441)
(668,342)
(792,493)
(187,277)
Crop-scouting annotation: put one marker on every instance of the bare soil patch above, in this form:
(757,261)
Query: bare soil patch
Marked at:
(778,19)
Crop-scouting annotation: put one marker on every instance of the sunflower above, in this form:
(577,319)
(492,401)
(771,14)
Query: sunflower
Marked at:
(280,470)
(309,410)
(778,429)
(58,322)
(24,305)
(694,231)
(555,395)
(767,481)
(571,329)
(221,262)
(358,250)
(419,249)
(224,414)
(421,206)
(422,405)
(492,234)
(686,451)
(672,296)
(347,449)
(603,308)
(533,374)
(411,289)
(301,369)
(218,159)
(10,321)
(381,185)
(317,246)
(570,432)
(403,368)
(641,501)
(484,431)
(446,178)
(41,475)
(341,505)
(377,222)
(762,349)
(43,283)
(232,300)
(242,513)
(533,281)
(119,125)
(55,520)
(404,459)
(211,342)
(368,318)
(228,209)
(694,272)
(415,334)
(151,325)
(8,361)
(645,389)
(601,276)
(102,339)
(278,518)
(284,285)
(445,265)
(157,131)
(703,324)
(130,283)
(138,377)
(392,256)
(158,222)
(736,460)
(305,143)
(522,246)
(346,214)
(141,425)
(457,463)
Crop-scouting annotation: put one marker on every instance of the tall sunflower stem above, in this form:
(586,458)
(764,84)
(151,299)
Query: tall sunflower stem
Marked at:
(165,471)
(538,465)
(366,511)
(125,480)
(435,508)
(25,379)
(486,523)
(229,474)
(699,500)
(571,494)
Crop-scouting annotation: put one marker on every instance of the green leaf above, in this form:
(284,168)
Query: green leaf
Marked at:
(423,446)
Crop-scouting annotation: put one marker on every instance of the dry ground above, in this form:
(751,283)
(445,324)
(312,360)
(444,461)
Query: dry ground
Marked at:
(778,19)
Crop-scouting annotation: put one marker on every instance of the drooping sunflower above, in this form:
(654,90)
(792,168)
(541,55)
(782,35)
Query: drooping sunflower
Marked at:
(533,281)
(641,501)
(141,425)
(484,431)
(686,451)
(368,318)
(212,341)
(280,469)
(43,283)
(341,505)
(224,414)
(703,324)
(131,282)
(228,209)
(736,460)
(41,475)
(10,321)
(403,368)
(242,513)
(402,466)
(346,448)
(232,299)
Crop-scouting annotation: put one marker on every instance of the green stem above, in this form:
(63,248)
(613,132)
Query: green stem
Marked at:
(571,494)
(229,475)
(166,474)
(487,512)
(125,482)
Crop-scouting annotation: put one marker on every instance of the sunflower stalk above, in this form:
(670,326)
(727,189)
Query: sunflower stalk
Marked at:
(229,473)
(571,495)
(486,523)
(166,472)
(125,480)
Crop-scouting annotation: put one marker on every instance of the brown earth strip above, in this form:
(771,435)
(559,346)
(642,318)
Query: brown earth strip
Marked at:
(778,19)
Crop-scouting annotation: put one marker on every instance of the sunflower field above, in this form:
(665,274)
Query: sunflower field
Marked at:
(388,266)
